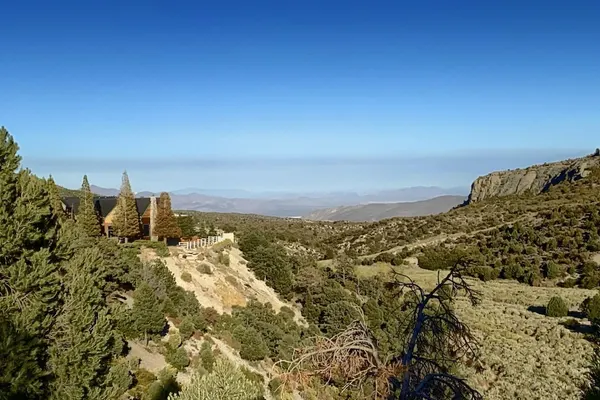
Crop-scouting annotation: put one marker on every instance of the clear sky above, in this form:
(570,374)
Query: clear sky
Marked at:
(297,95)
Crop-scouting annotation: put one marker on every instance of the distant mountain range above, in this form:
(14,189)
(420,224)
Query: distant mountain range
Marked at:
(379,211)
(287,204)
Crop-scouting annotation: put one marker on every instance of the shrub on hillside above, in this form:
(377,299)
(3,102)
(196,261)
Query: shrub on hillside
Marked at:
(253,346)
(276,387)
(207,356)
(568,283)
(225,382)
(187,328)
(337,316)
(512,271)
(204,269)
(223,259)
(160,248)
(210,315)
(175,340)
(253,376)
(163,387)
(384,257)
(439,258)
(186,276)
(552,270)
(484,273)
(590,281)
(591,309)
(178,358)
(225,244)
(557,307)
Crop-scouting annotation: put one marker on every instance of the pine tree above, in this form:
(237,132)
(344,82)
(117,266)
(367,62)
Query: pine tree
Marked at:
(55,200)
(166,223)
(29,271)
(126,222)
(84,336)
(147,313)
(87,216)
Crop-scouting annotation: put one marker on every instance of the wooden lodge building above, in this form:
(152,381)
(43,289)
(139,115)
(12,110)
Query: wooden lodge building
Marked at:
(105,207)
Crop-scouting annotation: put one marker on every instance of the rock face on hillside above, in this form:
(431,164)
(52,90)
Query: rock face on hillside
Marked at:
(537,178)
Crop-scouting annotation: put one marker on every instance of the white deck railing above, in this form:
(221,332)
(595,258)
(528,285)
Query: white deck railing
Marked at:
(202,242)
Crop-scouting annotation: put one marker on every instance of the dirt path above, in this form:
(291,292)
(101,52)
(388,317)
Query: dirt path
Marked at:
(153,362)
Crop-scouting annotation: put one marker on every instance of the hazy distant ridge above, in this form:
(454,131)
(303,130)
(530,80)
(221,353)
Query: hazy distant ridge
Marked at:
(287,204)
(379,211)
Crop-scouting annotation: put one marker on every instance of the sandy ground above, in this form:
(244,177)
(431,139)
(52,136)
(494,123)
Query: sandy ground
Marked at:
(153,362)
(226,286)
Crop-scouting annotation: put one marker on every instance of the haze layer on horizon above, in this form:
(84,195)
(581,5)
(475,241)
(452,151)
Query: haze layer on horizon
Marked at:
(298,175)
(298,96)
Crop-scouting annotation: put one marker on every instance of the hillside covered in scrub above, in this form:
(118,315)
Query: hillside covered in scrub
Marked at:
(496,299)
(538,247)
(527,237)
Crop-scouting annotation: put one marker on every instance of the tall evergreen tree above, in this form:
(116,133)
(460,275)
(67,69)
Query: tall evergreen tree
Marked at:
(29,269)
(55,200)
(147,313)
(166,223)
(87,216)
(126,222)
(84,337)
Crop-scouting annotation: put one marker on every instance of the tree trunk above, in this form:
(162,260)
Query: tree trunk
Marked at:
(408,357)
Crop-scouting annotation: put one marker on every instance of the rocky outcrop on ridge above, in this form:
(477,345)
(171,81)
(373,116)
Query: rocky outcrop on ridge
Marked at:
(535,179)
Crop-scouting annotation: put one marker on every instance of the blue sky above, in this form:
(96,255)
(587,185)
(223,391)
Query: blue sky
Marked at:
(297,95)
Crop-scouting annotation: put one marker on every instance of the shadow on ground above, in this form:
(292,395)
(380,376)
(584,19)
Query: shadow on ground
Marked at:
(542,311)
(537,309)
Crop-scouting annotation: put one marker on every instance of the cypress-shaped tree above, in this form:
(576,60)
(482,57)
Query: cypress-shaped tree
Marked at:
(85,339)
(147,313)
(29,271)
(166,223)
(126,221)
(87,216)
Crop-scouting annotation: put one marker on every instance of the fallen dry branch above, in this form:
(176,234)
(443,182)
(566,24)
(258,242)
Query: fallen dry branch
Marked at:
(351,357)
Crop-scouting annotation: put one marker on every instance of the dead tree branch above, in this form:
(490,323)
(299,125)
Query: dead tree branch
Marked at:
(435,337)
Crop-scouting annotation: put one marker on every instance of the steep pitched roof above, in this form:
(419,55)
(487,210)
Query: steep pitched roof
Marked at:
(142,204)
(72,203)
(104,205)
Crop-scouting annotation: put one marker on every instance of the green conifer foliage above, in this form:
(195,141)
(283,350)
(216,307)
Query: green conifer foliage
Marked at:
(87,216)
(20,373)
(557,307)
(253,347)
(225,382)
(126,221)
(166,223)
(55,200)
(147,314)
(84,336)
(29,270)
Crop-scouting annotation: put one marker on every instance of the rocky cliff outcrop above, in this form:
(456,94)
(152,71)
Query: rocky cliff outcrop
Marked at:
(536,179)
